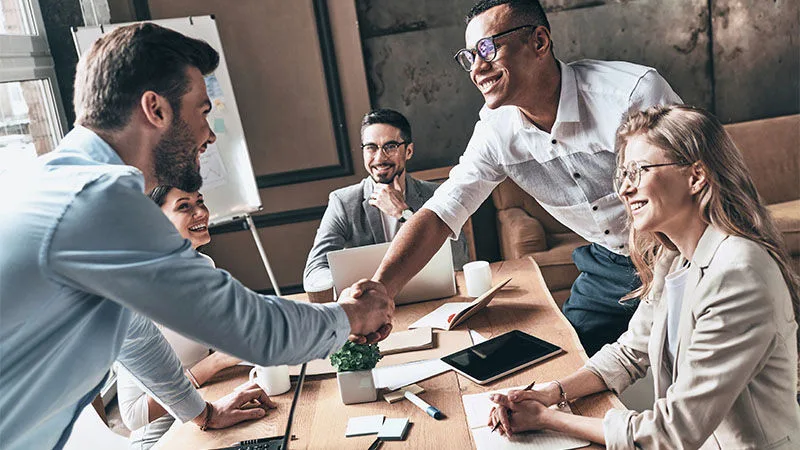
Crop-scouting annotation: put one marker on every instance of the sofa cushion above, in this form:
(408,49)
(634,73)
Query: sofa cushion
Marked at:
(787,218)
(772,154)
(519,234)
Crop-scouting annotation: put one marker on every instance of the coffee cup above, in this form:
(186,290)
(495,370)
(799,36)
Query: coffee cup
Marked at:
(273,380)
(478,278)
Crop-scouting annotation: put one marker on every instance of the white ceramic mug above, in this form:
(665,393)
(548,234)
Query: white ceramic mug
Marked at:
(273,380)
(478,277)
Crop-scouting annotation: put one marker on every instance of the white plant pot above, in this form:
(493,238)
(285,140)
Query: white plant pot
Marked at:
(356,387)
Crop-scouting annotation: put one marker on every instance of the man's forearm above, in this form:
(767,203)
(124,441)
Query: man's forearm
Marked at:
(415,244)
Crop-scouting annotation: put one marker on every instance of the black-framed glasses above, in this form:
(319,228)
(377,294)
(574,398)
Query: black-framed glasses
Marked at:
(486,48)
(633,172)
(389,148)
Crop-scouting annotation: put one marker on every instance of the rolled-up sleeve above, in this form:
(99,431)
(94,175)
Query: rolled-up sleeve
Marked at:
(150,363)
(621,363)
(115,243)
(470,181)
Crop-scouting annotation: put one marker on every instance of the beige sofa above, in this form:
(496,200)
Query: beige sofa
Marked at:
(771,148)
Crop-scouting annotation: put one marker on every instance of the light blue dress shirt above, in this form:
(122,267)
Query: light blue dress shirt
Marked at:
(84,252)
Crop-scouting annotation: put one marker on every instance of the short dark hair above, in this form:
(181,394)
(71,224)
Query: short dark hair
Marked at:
(529,11)
(159,194)
(389,117)
(122,65)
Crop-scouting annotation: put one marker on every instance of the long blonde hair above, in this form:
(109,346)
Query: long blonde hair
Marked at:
(728,201)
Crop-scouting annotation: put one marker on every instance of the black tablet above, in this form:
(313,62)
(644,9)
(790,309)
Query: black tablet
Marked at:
(500,356)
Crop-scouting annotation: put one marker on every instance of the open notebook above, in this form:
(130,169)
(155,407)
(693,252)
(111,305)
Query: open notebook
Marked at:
(477,408)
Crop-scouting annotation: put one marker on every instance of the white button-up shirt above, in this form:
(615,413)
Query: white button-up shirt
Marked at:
(569,171)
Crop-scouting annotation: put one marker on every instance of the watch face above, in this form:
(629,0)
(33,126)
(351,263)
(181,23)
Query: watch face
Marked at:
(407,214)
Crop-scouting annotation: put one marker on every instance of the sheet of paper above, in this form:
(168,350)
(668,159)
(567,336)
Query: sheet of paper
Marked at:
(363,425)
(538,440)
(477,408)
(395,377)
(476,337)
(438,317)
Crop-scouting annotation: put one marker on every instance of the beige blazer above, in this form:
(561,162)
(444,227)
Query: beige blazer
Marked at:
(732,384)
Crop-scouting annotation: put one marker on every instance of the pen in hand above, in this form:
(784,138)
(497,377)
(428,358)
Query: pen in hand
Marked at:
(527,388)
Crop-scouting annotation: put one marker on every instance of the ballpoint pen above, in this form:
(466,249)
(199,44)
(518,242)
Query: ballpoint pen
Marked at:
(527,388)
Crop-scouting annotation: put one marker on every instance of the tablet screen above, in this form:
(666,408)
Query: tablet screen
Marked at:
(500,356)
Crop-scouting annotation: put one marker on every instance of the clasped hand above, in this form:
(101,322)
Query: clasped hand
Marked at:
(518,411)
(370,310)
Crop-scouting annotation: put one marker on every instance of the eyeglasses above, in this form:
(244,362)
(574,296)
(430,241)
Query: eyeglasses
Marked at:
(633,172)
(486,48)
(390,148)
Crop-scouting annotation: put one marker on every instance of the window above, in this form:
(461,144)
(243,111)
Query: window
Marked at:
(31,114)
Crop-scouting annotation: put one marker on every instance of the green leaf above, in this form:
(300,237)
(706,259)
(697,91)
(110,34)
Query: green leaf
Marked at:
(353,357)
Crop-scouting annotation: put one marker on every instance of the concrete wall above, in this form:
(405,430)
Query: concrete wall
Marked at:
(738,58)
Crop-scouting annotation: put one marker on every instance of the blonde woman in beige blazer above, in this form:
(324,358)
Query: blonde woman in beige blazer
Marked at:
(718,319)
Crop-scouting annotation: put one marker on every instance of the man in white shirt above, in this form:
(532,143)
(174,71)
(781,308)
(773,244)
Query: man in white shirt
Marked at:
(372,211)
(550,127)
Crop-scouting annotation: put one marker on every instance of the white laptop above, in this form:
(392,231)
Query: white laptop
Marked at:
(435,280)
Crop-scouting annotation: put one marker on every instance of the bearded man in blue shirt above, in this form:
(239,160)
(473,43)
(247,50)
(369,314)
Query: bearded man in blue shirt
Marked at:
(86,256)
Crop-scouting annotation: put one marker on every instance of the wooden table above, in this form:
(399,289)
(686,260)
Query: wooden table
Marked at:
(321,418)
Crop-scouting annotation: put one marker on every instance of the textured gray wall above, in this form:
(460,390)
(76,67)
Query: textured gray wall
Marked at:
(739,59)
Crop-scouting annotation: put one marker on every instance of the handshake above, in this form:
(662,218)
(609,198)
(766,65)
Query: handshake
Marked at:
(369,309)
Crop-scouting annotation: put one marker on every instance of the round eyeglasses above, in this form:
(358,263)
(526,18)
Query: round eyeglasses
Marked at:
(633,172)
(389,148)
(486,48)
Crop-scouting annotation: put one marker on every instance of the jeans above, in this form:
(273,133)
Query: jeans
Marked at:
(593,307)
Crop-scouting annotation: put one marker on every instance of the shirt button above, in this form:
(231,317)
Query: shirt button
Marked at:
(576,175)
(594,208)
(554,142)
(607,232)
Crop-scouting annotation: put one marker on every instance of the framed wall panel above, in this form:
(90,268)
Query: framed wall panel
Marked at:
(287,80)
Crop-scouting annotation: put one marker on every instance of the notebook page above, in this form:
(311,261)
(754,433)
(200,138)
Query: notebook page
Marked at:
(538,440)
(477,408)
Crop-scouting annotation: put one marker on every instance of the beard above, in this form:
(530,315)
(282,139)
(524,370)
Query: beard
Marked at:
(388,179)
(176,158)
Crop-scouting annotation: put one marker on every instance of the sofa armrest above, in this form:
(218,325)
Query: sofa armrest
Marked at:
(519,234)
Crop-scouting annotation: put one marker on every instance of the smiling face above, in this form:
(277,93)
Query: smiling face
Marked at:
(663,201)
(381,167)
(177,154)
(512,75)
(188,213)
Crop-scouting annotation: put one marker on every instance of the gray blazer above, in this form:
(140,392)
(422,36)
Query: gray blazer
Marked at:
(732,384)
(350,221)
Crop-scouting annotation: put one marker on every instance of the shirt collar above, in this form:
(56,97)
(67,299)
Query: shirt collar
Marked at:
(88,142)
(568,99)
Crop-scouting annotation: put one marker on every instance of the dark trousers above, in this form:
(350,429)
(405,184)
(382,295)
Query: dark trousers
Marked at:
(593,306)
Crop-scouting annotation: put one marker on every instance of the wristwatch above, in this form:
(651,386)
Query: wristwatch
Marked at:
(405,215)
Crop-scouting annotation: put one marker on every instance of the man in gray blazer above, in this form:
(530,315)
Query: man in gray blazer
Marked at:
(372,211)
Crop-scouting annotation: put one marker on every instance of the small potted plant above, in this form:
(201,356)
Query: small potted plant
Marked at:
(354,364)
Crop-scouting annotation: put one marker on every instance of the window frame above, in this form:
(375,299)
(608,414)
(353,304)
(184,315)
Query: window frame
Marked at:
(27,58)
